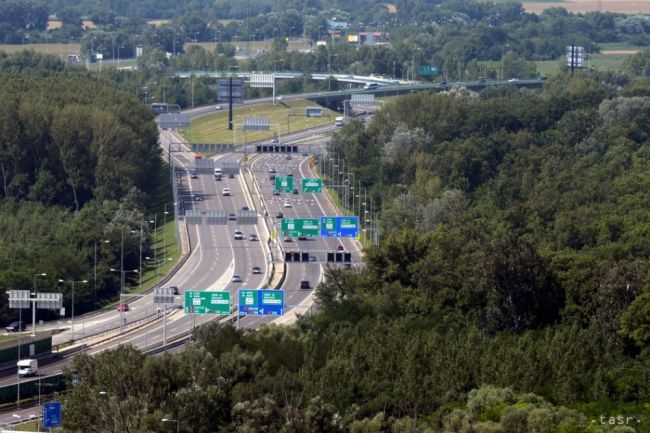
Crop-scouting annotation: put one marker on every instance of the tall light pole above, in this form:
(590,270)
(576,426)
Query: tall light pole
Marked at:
(122,280)
(72,306)
(502,47)
(40,274)
(178,423)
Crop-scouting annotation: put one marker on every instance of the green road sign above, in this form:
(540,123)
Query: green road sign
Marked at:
(284,184)
(312,185)
(207,303)
(300,226)
(427,70)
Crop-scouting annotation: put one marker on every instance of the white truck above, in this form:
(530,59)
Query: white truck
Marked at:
(27,367)
(339,121)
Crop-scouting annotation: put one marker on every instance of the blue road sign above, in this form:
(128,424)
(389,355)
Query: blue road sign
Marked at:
(52,415)
(339,227)
(261,302)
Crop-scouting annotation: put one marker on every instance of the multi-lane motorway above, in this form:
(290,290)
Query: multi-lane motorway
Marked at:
(215,255)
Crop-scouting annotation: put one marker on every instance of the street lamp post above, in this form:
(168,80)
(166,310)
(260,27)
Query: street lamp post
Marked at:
(122,280)
(72,306)
(41,274)
(178,423)
(502,47)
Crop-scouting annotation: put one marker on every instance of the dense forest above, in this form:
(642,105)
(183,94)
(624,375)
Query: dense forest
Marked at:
(77,159)
(509,293)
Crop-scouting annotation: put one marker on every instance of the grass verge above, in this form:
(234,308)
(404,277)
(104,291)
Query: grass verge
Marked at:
(284,117)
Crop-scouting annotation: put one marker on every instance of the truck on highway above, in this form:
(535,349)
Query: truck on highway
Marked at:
(27,367)
(339,121)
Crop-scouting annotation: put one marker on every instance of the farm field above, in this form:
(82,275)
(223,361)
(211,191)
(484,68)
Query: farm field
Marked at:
(583,6)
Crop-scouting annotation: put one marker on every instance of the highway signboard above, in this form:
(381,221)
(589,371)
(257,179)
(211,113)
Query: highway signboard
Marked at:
(339,226)
(52,415)
(428,70)
(261,302)
(207,302)
(312,185)
(284,184)
(295,227)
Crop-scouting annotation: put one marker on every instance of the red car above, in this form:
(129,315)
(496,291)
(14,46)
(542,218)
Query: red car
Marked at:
(123,307)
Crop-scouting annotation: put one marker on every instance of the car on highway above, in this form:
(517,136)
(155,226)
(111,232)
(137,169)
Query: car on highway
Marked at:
(225,192)
(238,234)
(218,107)
(512,80)
(253,237)
(288,158)
(289,174)
(245,208)
(280,98)
(231,175)
(236,279)
(256,270)
(197,197)
(275,140)
(272,177)
(304,284)
(194,175)
(272,170)
(295,191)
(279,215)
(16,326)
(175,290)
(302,237)
(287,204)
(123,307)
(232,217)
(312,258)
(276,192)
(288,239)
(340,248)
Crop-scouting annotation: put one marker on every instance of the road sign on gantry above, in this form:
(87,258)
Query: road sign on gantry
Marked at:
(312,185)
(207,303)
(339,227)
(300,226)
(261,302)
(284,184)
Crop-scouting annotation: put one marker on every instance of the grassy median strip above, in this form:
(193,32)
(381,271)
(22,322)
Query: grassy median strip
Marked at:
(284,117)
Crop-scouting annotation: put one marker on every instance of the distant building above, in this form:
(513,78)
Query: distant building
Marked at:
(370,38)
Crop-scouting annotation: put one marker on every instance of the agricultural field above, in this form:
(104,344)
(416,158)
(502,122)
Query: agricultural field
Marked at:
(583,6)
(60,50)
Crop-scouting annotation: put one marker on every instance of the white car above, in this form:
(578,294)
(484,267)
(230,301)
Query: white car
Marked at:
(225,192)
(236,279)
(218,107)
(239,235)
(287,204)
(279,98)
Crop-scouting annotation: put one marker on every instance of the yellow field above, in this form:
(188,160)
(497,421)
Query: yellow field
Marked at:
(583,6)
(213,128)
(59,50)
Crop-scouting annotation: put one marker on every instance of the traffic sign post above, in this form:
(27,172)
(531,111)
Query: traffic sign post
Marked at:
(207,303)
(284,184)
(339,227)
(295,227)
(261,302)
(52,415)
(312,185)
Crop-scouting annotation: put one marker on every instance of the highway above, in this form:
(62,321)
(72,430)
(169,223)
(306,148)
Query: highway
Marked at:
(216,256)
